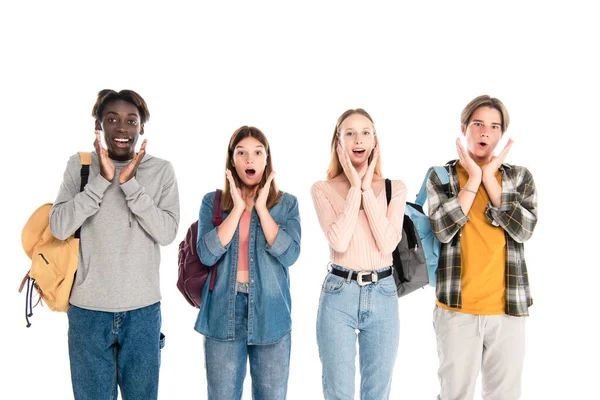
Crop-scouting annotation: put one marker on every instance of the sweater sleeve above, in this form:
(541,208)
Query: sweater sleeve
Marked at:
(72,207)
(338,228)
(159,220)
(386,224)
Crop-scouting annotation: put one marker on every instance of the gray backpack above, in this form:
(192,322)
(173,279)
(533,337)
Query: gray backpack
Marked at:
(410,264)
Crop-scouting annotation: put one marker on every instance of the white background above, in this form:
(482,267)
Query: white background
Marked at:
(291,70)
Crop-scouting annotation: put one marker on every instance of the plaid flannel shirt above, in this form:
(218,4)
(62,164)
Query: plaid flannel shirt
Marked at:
(517,215)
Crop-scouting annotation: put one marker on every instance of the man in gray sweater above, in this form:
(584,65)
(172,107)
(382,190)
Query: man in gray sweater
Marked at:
(129,207)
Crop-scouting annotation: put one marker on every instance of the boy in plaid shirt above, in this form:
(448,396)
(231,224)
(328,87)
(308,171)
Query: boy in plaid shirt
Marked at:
(482,219)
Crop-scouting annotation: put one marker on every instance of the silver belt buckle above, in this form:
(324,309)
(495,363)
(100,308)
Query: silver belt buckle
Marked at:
(363,273)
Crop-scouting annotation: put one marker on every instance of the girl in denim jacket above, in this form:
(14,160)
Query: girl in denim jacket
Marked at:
(248,313)
(359,293)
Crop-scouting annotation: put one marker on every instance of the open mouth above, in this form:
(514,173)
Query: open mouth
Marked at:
(482,144)
(122,142)
(359,152)
(250,172)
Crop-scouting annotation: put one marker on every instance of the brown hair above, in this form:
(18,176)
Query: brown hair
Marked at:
(107,95)
(239,135)
(483,101)
(335,168)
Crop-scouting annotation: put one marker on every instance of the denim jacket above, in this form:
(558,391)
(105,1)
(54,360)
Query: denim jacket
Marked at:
(269,300)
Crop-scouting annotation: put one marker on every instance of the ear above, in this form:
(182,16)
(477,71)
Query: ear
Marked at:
(98,126)
(142,130)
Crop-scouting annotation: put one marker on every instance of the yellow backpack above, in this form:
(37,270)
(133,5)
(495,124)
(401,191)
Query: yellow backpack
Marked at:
(53,261)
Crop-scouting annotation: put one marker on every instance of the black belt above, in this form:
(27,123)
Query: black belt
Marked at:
(363,277)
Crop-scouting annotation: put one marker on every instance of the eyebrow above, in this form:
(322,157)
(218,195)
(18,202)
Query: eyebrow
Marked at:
(493,123)
(257,147)
(113,112)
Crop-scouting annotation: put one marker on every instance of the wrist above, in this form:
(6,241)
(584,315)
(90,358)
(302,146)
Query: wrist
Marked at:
(261,209)
(238,210)
(488,176)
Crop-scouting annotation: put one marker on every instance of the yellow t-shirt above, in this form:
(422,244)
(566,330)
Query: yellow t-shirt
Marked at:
(483,254)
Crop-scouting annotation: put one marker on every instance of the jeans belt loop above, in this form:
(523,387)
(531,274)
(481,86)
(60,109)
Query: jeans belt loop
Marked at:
(349,278)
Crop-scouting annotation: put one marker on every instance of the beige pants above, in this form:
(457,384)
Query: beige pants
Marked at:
(467,343)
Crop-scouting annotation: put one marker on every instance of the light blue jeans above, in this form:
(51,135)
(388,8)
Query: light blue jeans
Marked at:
(107,349)
(371,310)
(226,362)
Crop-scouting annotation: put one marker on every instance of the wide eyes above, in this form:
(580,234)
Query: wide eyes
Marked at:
(113,120)
(242,152)
(351,133)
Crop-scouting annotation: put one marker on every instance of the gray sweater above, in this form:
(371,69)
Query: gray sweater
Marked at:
(122,227)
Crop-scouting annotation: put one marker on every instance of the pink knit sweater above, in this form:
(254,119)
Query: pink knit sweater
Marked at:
(360,240)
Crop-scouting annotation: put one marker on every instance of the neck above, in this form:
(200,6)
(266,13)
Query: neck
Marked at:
(121,158)
(248,192)
(362,169)
(481,160)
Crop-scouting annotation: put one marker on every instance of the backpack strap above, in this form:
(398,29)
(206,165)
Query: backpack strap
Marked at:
(85,159)
(217,217)
(442,173)
(388,190)
(216,220)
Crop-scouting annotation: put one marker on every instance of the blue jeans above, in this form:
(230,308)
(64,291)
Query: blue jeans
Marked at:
(226,362)
(107,349)
(372,310)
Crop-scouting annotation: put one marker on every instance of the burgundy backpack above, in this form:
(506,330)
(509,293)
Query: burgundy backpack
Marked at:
(192,273)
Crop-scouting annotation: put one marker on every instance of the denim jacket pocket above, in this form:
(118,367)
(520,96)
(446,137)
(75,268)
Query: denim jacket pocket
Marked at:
(333,284)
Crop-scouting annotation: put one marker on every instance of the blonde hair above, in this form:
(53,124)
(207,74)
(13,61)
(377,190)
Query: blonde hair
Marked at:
(484,101)
(239,135)
(335,168)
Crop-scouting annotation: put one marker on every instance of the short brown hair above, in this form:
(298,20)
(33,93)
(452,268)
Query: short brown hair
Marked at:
(335,168)
(484,101)
(240,134)
(107,95)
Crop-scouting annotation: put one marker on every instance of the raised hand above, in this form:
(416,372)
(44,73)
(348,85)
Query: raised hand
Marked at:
(107,167)
(349,169)
(128,171)
(467,162)
(263,193)
(236,193)
(367,180)
(490,168)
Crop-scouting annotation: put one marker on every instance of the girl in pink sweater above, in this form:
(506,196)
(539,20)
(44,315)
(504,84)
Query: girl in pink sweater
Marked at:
(359,293)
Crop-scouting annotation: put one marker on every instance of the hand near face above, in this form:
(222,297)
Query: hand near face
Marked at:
(467,162)
(490,168)
(236,193)
(347,166)
(263,193)
(128,171)
(107,168)
(367,180)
